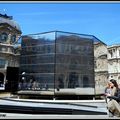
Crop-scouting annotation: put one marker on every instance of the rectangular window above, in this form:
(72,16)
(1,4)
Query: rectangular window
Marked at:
(111,53)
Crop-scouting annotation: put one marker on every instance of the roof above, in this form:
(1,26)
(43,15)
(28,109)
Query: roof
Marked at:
(8,20)
(92,37)
(113,46)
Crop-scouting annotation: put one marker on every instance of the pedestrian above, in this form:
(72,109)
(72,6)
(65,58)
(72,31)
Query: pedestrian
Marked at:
(108,90)
(34,85)
(113,104)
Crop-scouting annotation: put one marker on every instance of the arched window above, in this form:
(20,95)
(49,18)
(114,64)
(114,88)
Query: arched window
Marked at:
(2,63)
(13,38)
(4,36)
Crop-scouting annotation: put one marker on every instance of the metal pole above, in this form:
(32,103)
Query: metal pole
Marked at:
(93,68)
(55,64)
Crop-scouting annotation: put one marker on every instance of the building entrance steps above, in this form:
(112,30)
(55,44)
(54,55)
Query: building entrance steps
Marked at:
(78,107)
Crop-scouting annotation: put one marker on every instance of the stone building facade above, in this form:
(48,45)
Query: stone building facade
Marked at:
(9,56)
(107,65)
(100,67)
(114,62)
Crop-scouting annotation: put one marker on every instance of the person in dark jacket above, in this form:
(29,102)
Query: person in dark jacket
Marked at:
(116,96)
(113,104)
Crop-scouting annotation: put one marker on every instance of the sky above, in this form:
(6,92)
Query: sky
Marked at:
(99,19)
